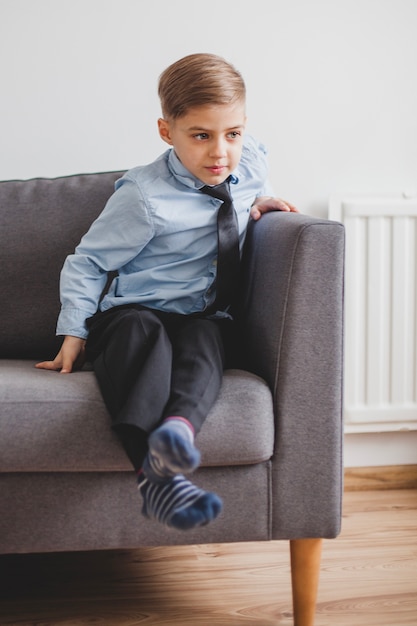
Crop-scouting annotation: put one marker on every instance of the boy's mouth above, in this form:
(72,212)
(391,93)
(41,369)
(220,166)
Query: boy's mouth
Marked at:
(216,169)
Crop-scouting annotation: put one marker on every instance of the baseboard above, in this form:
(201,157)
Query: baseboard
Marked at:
(378,478)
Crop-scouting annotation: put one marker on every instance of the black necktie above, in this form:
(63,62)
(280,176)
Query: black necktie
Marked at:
(228,255)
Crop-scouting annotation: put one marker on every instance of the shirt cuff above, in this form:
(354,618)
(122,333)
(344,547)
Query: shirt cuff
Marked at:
(72,322)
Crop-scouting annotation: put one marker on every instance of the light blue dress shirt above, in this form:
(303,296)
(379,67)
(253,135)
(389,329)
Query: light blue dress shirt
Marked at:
(159,232)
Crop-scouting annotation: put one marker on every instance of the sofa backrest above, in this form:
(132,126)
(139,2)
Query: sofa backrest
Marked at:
(41,222)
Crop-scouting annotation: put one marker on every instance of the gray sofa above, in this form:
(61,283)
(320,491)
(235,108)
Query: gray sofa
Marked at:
(271,446)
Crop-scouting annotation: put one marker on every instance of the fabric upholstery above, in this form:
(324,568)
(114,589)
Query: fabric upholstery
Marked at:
(41,222)
(95,511)
(296,345)
(73,433)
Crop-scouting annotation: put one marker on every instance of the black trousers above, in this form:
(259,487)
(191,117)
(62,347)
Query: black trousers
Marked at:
(151,365)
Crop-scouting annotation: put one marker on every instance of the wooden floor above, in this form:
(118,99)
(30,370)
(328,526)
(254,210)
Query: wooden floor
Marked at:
(369,578)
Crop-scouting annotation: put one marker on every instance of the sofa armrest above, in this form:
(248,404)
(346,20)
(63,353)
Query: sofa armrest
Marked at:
(292,319)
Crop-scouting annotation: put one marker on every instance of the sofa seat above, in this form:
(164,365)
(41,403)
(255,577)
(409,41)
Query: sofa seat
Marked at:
(72,432)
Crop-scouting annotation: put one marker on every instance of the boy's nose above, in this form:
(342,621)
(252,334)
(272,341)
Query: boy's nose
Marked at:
(218,148)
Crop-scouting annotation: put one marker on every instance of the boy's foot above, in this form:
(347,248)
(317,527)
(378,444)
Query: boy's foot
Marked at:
(178,503)
(171,451)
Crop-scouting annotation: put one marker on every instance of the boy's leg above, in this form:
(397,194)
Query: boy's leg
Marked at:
(197,369)
(132,357)
(132,360)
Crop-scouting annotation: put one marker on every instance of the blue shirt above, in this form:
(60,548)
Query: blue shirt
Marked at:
(159,232)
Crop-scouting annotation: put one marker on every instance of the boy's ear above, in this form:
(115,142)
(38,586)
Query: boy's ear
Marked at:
(164,130)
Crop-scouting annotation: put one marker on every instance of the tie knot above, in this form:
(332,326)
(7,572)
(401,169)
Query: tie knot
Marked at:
(222,191)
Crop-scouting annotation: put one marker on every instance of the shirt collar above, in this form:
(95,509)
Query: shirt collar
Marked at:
(186,178)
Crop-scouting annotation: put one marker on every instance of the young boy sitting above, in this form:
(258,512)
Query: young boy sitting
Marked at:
(159,339)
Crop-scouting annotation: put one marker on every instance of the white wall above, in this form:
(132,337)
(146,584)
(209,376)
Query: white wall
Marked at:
(332,86)
(332,91)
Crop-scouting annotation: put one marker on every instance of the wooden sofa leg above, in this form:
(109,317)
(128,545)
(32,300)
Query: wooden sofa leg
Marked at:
(305,572)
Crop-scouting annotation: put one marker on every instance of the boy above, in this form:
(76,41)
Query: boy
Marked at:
(158,339)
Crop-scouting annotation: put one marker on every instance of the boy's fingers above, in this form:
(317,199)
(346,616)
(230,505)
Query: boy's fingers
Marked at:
(266,203)
(66,366)
(255,213)
(46,365)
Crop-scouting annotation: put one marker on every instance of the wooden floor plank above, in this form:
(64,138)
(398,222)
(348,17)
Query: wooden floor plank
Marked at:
(368,578)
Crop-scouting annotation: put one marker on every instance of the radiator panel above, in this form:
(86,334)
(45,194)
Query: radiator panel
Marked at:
(380,312)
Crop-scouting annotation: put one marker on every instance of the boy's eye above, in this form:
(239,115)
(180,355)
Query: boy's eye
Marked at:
(204,136)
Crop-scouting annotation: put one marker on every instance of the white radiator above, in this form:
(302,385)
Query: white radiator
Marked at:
(380,311)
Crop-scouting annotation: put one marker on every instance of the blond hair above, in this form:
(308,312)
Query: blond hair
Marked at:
(198,79)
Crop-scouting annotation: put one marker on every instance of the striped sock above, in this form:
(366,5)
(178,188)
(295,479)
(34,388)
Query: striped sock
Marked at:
(171,450)
(178,503)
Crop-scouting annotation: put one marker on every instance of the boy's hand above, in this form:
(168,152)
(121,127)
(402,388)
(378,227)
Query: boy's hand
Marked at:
(263,204)
(71,356)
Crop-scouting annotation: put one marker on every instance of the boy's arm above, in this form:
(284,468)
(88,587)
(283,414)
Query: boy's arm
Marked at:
(71,356)
(263,204)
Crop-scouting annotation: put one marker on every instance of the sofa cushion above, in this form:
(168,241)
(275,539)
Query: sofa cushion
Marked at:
(41,222)
(51,422)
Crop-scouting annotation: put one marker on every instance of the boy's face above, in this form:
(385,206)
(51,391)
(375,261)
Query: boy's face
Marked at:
(207,139)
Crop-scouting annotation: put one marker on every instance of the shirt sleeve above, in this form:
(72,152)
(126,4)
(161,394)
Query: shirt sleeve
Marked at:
(254,166)
(116,237)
